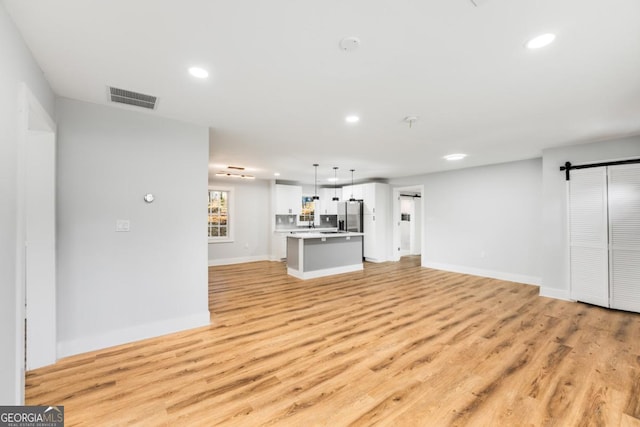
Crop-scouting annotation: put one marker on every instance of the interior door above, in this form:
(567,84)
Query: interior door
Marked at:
(624,236)
(40,255)
(588,236)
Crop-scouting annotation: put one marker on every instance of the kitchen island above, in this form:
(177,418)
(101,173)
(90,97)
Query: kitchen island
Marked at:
(319,254)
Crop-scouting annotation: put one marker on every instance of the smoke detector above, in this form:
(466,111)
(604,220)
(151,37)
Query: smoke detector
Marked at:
(349,43)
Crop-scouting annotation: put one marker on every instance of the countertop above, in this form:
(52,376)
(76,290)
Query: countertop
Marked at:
(318,235)
(306,230)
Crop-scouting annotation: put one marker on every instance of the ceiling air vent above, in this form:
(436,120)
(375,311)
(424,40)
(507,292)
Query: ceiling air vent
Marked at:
(122,96)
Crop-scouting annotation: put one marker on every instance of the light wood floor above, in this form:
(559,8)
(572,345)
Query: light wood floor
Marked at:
(395,345)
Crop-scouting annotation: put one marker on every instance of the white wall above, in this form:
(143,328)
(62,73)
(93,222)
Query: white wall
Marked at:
(116,287)
(484,220)
(252,228)
(17,66)
(555,245)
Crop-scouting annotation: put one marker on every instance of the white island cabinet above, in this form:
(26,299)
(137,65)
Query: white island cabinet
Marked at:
(311,255)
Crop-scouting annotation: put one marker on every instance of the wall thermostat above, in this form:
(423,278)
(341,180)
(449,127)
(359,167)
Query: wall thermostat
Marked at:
(148,197)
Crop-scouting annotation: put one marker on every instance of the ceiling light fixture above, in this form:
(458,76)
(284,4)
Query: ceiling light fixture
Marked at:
(540,41)
(352,199)
(198,72)
(411,120)
(276,174)
(457,156)
(335,179)
(352,119)
(315,185)
(235,175)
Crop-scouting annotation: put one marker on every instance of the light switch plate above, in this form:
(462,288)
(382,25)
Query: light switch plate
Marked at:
(123,225)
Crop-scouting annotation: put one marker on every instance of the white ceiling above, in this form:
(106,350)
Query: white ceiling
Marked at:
(280,87)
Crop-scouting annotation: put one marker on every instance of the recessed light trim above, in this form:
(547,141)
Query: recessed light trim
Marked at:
(352,119)
(540,41)
(198,72)
(455,156)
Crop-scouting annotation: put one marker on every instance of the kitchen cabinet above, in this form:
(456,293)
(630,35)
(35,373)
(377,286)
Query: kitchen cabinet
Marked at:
(279,245)
(311,255)
(369,195)
(288,199)
(356,190)
(376,219)
(370,238)
(326,206)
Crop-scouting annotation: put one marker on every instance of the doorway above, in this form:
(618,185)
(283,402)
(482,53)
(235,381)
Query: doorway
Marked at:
(36,251)
(408,222)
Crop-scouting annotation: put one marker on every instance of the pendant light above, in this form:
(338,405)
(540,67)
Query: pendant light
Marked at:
(335,180)
(315,186)
(352,199)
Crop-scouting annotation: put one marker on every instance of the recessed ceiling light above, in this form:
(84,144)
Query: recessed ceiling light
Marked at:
(332,179)
(352,119)
(276,174)
(457,156)
(198,72)
(540,41)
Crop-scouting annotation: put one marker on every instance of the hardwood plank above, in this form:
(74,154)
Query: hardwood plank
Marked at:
(394,344)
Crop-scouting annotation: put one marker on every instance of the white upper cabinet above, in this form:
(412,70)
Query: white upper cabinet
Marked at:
(326,206)
(288,199)
(356,190)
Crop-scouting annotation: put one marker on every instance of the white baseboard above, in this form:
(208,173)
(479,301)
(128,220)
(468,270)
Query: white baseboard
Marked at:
(134,333)
(240,260)
(562,294)
(511,277)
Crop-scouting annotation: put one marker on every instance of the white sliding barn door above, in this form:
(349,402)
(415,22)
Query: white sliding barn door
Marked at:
(624,236)
(588,239)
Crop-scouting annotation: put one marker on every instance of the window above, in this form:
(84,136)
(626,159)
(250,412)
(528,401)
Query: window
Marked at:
(308,209)
(220,213)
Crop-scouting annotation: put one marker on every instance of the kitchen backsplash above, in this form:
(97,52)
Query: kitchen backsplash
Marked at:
(284,222)
(328,221)
(287,222)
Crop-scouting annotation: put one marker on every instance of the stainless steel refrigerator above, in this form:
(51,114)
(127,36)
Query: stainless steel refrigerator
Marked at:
(350,216)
